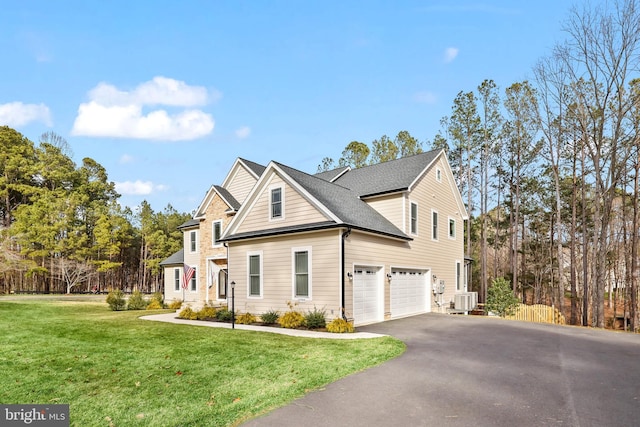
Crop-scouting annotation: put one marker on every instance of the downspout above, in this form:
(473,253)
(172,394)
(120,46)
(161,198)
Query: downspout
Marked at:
(344,237)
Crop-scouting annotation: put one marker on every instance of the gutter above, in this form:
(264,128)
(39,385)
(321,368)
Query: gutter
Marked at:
(342,301)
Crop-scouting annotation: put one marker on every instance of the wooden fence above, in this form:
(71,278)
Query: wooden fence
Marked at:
(538,313)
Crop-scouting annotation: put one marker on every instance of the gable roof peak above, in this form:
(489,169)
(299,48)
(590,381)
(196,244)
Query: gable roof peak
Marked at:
(256,168)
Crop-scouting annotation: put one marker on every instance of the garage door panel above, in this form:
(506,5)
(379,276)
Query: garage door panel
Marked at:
(409,292)
(366,296)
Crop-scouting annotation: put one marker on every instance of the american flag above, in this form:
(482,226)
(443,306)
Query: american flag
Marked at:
(187,274)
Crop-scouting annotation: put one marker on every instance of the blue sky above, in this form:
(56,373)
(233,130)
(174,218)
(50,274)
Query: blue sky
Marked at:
(167,94)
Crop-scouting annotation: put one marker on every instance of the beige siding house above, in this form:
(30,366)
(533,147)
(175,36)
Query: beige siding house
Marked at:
(369,244)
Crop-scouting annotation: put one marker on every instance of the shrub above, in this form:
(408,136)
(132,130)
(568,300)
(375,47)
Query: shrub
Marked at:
(291,320)
(500,298)
(206,313)
(154,305)
(270,317)
(246,319)
(175,305)
(157,296)
(136,301)
(224,315)
(340,326)
(315,319)
(116,301)
(188,313)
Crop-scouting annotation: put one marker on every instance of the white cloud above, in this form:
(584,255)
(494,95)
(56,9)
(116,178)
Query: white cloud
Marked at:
(17,114)
(450,54)
(112,112)
(138,188)
(125,158)
(425,97)
(243,132)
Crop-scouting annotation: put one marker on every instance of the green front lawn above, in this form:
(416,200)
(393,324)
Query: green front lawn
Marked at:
(115,369)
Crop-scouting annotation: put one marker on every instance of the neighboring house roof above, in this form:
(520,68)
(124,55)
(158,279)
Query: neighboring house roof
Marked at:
(333,174)
(192,223)
(176,258)
(388,177)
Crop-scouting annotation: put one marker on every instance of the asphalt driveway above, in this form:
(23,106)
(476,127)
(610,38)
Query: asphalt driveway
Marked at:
(475,371)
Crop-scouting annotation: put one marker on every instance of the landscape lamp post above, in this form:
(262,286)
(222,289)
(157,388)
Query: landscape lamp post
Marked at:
(233,304)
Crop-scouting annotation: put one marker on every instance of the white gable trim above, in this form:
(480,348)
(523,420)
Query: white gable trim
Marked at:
(345,170)
(263,184)
(234,170)
(208,198)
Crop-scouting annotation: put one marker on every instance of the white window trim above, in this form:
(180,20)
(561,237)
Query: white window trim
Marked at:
(179,273)
(455,231)
(249,255)
(411,203)
(438,174)
(214,243)
(437,228)
(308,250)
(195,240)
(271,188)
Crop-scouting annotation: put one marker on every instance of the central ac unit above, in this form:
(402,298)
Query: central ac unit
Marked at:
(466,301)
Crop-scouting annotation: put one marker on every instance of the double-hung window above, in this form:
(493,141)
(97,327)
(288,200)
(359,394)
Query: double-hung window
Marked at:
(276,203)
(434,225)
(215,233)
(176,279)
(414,218)
(193,241)
(452,228)
(255,274)
(302,273)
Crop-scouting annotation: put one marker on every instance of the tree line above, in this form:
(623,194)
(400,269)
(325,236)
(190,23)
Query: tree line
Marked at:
(62,229)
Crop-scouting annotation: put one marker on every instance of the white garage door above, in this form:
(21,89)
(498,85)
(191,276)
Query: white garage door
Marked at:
(367,295)
(409,292)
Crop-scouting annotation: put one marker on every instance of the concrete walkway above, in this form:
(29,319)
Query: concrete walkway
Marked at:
(172,318)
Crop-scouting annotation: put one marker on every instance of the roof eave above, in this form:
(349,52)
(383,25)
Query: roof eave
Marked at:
(312,228)
(384,193)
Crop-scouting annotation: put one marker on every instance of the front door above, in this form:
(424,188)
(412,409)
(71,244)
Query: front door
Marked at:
(222,283)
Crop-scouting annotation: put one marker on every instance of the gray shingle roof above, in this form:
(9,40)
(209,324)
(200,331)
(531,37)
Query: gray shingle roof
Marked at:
(344,203)
(176,258)
(224,193)
(332,174)
(388,177)
(255,167)
(189,224)
(343,197)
